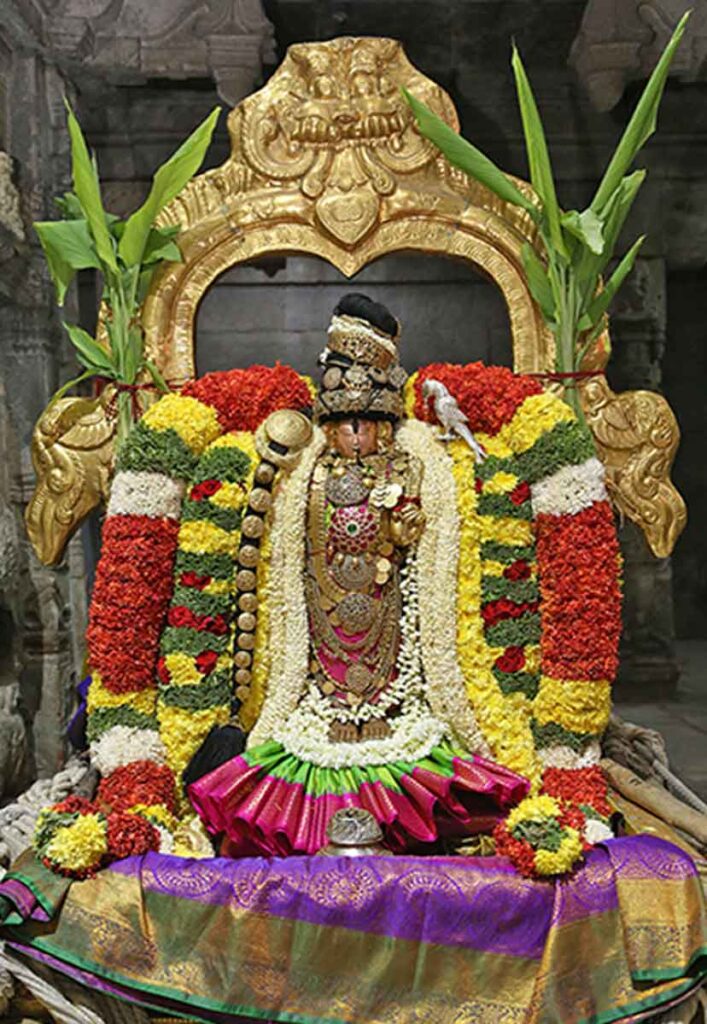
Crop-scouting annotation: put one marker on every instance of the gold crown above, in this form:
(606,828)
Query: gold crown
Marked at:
(361,342)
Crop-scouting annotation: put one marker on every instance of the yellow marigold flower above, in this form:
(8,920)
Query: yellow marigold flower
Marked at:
(536,415)
(495,444)
(80,845)
(183,731)
(500,483)
(533,808)
(196,423)
(507,531)
(533,657)
(491,568)
(156,813)
(242,439)
(207,538)
(218,587)
(99,697)
(182,669)
(229,495)
(558,862)
(578,705)
(504,723)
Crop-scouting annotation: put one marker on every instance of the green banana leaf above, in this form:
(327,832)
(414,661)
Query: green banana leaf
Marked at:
(598,307)
(538,157)
(586,227)
(88,192)
(613,217)
(89,353)
(538,282)
(643,121)
(68,247)
(167,183)
(466,157)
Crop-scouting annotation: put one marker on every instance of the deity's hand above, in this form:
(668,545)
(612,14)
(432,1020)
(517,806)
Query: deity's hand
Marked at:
(406,524)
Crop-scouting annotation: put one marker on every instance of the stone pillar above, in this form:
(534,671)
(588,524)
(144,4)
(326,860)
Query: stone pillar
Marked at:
(649,668)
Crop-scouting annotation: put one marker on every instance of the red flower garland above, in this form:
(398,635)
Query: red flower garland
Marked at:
(193,579)
(581,598)
(488,395)
(578,786)
(132,588)
(244,398)
(140,782)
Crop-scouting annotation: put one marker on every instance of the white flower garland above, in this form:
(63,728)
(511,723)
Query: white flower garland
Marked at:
(561,756)
(438,563)
(289,633)
(570,489)
(139,493)
(122,744)
(293,712)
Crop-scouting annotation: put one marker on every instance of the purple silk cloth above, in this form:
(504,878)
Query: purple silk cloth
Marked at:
(400,938)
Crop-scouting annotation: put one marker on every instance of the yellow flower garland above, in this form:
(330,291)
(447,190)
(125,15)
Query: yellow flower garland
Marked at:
(505,722)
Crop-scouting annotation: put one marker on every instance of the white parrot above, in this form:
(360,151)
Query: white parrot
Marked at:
(450,416)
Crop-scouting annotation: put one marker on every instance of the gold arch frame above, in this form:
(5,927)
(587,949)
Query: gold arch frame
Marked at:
(326,161)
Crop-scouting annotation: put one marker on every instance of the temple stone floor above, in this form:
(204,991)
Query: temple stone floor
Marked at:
(683,720)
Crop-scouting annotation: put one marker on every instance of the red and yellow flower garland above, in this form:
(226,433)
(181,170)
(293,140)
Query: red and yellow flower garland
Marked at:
(142,539)
(548,560)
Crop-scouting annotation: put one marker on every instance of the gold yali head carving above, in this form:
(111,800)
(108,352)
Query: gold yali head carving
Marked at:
(72,454)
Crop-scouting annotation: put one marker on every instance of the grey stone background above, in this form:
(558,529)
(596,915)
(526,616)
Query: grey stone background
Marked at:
(142,74)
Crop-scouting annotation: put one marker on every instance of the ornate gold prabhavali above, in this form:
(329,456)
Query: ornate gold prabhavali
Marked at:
(326,161)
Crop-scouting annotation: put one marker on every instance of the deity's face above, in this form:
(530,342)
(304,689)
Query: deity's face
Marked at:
(354,437)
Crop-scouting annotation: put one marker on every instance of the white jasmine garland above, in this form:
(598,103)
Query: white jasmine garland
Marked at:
(137,493)
(122,744)
(570,489)
(289,633)
(437,570)
(560,756)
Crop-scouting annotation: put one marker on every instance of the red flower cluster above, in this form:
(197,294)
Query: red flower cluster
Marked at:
(193,579)
(488,395)
(581,600)
(496,611)
(132,589)
(512,660)
(74,805)
(187,619)
(204,490)
(520,493)
(206,662)
(140,782)
(129,835)
(519,852)
(518,570)
(244,398)
(578,786)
